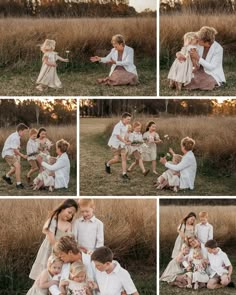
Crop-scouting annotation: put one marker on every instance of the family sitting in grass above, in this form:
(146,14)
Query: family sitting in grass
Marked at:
(53,172)
(128,141)
(199,64)
(197,261)
(73,260)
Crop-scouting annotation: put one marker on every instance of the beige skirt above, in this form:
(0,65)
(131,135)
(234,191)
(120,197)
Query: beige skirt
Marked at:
(201,81)
(119,77)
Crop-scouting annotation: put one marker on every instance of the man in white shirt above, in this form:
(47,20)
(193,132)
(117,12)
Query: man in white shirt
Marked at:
(111,278)
(204,230)
(12,155)
(117,144)
(221,267)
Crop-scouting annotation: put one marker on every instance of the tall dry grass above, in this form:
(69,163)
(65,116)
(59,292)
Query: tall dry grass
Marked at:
(20,38)
(215,138)
(130,229)
(54,133)
(174,26)
(222,218)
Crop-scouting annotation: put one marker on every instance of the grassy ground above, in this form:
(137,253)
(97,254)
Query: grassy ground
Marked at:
(227,90)
(80,82)
(10,190)
(94,180)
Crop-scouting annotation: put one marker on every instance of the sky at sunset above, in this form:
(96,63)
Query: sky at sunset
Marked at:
(140,5)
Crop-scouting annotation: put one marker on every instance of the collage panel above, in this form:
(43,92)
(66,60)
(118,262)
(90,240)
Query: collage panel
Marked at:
(44,241)
(157,147)
(197,246)
(38,147)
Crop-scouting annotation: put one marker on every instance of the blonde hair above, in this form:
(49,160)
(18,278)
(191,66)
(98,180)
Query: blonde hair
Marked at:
(48,45)
(86,203)
(188,37)
(188,143)
(184,246)
(203,214)
(118,39)
(129,127)
(53,259)
(136,124)
(33,131)
(63,145)
(207,34)
(78,267)
(177,158)
(196,252)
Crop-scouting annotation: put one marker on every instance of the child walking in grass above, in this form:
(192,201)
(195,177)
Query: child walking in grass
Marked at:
(48,74)
(151,138)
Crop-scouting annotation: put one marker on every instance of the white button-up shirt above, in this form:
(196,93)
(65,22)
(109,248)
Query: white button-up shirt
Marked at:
(121,130)
(204,232)
(187,168)
(115,282)
(89,233)
(61,169)
(218,263)
(12,143)
(32,146)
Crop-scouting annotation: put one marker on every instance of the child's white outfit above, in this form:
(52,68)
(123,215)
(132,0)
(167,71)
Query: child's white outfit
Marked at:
(48,180)
(199,272)
(11,143)
(32,149)
(89,233)
(115,282)
(121,130)
(36,290)
(204,232)
(179,241)
(75,288)
(45,250)
(182,72)
(48,74)
(218,263)
(137,139)
(150,152)
(171,176)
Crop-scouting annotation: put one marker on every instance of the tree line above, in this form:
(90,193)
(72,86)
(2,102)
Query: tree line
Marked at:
(37,112)
(197,6)
(155,107)
(69,8)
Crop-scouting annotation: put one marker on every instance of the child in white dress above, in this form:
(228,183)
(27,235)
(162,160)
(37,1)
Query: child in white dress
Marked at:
(32,149)
(151,138)
(77,283)
(181,72)
(48,277)
(170,178)
(136,145)
(48,73)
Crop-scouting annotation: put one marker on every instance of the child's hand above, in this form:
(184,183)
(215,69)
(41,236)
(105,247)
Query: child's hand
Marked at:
(92,285)
(53,282)
(64,283)
(24,156)
(66,59)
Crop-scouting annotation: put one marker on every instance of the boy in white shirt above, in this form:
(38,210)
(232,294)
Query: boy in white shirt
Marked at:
(111,278)
(118,143)
(12,155)
(221,267)
(88,230)
(204,230)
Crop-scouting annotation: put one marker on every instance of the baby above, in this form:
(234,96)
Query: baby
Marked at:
(169,178)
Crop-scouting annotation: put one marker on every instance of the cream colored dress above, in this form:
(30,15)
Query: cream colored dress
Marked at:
(182,72)
(48,74)
(150,152)
(199,272)
(179,242)
(136,142)
(170,176)
(45,250)
(173,269)
(75,288)
(36,290)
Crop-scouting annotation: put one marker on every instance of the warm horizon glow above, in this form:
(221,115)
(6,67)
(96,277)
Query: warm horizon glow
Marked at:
(140,5)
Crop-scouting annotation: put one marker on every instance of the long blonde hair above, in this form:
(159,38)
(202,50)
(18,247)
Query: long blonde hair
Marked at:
(48,45)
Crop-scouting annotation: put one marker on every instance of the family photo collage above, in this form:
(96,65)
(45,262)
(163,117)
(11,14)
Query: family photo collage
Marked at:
(117,147)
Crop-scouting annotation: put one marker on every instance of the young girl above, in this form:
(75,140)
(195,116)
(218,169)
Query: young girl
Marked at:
(32,151)
(48,73)
(136,140)
(170,178)
(58,225)
(199,269)
(77,283)
(151,138)
(181,72)
(185,229)
(48,277)
(176,265)
(44,143)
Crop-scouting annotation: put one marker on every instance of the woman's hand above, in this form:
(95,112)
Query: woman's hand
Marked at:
(163,160)
(112,61)
(95,58)
(194,54)
(180,57)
